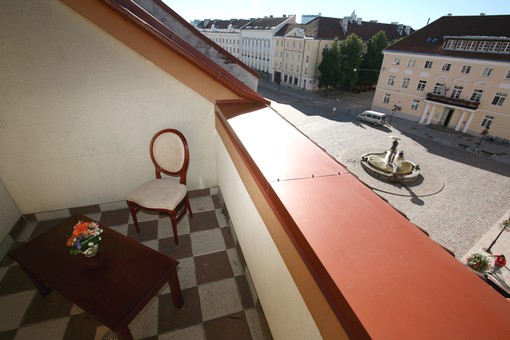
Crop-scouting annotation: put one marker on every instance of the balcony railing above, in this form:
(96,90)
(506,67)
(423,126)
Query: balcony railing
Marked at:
(464,103)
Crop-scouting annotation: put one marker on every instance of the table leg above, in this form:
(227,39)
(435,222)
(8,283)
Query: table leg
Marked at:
(124,333)
(41,286)
(175,289)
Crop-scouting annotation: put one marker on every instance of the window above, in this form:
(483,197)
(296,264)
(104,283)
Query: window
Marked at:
(386,98)
(411,62)
(415,104)
(457,90)
(487,121)
(494,46)
(306,70)
(446,67)
(471,45)
(405,82)
(477,94)
(307,58)
(505,47)
(499,99)
(391,80)
(487,71)
(439,89)
(421,85)
(450,44)
(396,61)
(428,64)
(483,46)
(465,69)
(461,45)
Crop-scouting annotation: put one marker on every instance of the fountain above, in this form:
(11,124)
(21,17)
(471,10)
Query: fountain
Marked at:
(387,166)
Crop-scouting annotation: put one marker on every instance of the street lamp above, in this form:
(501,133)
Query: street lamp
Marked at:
(505,224)
(483,133)
(392,112)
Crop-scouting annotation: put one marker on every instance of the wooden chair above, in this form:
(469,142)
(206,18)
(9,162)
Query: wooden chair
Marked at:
(170,155)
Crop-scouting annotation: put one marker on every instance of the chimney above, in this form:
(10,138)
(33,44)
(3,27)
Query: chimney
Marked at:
(345,20)
(449,14)
(407,30)
(482,14)
(358,21)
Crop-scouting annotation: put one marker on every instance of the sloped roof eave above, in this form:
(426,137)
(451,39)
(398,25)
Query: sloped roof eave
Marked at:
(129,10)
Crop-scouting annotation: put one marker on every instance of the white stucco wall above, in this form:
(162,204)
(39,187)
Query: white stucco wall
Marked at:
(285,310)
(78,109)
(9,213)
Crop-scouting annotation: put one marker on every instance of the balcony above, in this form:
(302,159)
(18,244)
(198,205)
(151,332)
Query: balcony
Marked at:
(325,253)
(462,103)
(220,300)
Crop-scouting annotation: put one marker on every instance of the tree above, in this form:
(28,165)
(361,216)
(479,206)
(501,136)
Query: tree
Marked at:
(373,58)
(330,67)
(351,51)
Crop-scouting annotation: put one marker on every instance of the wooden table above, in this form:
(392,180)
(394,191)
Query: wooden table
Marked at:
(113,286)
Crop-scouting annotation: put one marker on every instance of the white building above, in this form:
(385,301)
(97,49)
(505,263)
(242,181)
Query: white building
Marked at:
(257,47)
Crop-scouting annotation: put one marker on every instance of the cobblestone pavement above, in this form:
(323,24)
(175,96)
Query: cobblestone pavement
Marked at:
(463,193)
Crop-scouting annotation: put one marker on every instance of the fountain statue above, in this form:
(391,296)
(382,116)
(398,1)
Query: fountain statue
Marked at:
(388,166)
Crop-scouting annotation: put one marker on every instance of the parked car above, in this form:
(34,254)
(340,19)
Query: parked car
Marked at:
(373,117)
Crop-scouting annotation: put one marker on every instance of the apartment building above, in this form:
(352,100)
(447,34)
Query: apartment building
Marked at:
(225,33)
(454,72)
(298,47)
(257,47)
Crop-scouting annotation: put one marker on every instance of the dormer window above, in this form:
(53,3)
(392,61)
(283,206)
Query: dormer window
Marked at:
(450,44)
(461,45)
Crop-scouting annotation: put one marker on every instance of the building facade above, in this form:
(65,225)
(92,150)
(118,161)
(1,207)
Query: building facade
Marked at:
(455,72)
(257,43)
(298,47)
(225,33)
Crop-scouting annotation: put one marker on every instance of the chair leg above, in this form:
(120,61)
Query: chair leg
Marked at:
(188,206)
(174,228)
(132,208)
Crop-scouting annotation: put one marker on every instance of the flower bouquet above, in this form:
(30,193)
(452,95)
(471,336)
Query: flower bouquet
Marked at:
(85,238)
(478,262)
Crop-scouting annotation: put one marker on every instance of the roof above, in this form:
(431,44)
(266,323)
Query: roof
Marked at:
(144,20)
(483,26)
(222,24)
(367,29)
(225,54)
(330,28)
(267,23)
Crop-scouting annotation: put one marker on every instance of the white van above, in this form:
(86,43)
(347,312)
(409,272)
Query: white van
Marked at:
(373,117)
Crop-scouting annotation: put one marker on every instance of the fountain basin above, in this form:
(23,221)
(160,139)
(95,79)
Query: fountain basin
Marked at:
(400,171)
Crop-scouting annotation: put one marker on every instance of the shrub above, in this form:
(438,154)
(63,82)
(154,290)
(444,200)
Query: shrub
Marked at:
(478,262)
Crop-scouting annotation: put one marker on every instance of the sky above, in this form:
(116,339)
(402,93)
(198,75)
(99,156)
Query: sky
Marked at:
(413,13)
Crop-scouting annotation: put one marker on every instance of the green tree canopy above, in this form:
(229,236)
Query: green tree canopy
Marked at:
(351,51)
(373,58)
(330,67)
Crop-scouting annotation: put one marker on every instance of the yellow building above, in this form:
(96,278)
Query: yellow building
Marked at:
(454,72)
(298,47)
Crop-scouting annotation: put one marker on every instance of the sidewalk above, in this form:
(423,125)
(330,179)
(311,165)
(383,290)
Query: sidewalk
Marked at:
(486,149)
(501,246)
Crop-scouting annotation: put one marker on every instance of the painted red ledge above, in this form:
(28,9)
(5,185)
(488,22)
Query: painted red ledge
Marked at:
(372,264)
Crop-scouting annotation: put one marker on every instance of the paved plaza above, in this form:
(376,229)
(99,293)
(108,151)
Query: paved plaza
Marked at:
(461,199)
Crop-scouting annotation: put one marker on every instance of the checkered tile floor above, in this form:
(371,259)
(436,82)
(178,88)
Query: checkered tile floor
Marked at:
(219,300)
